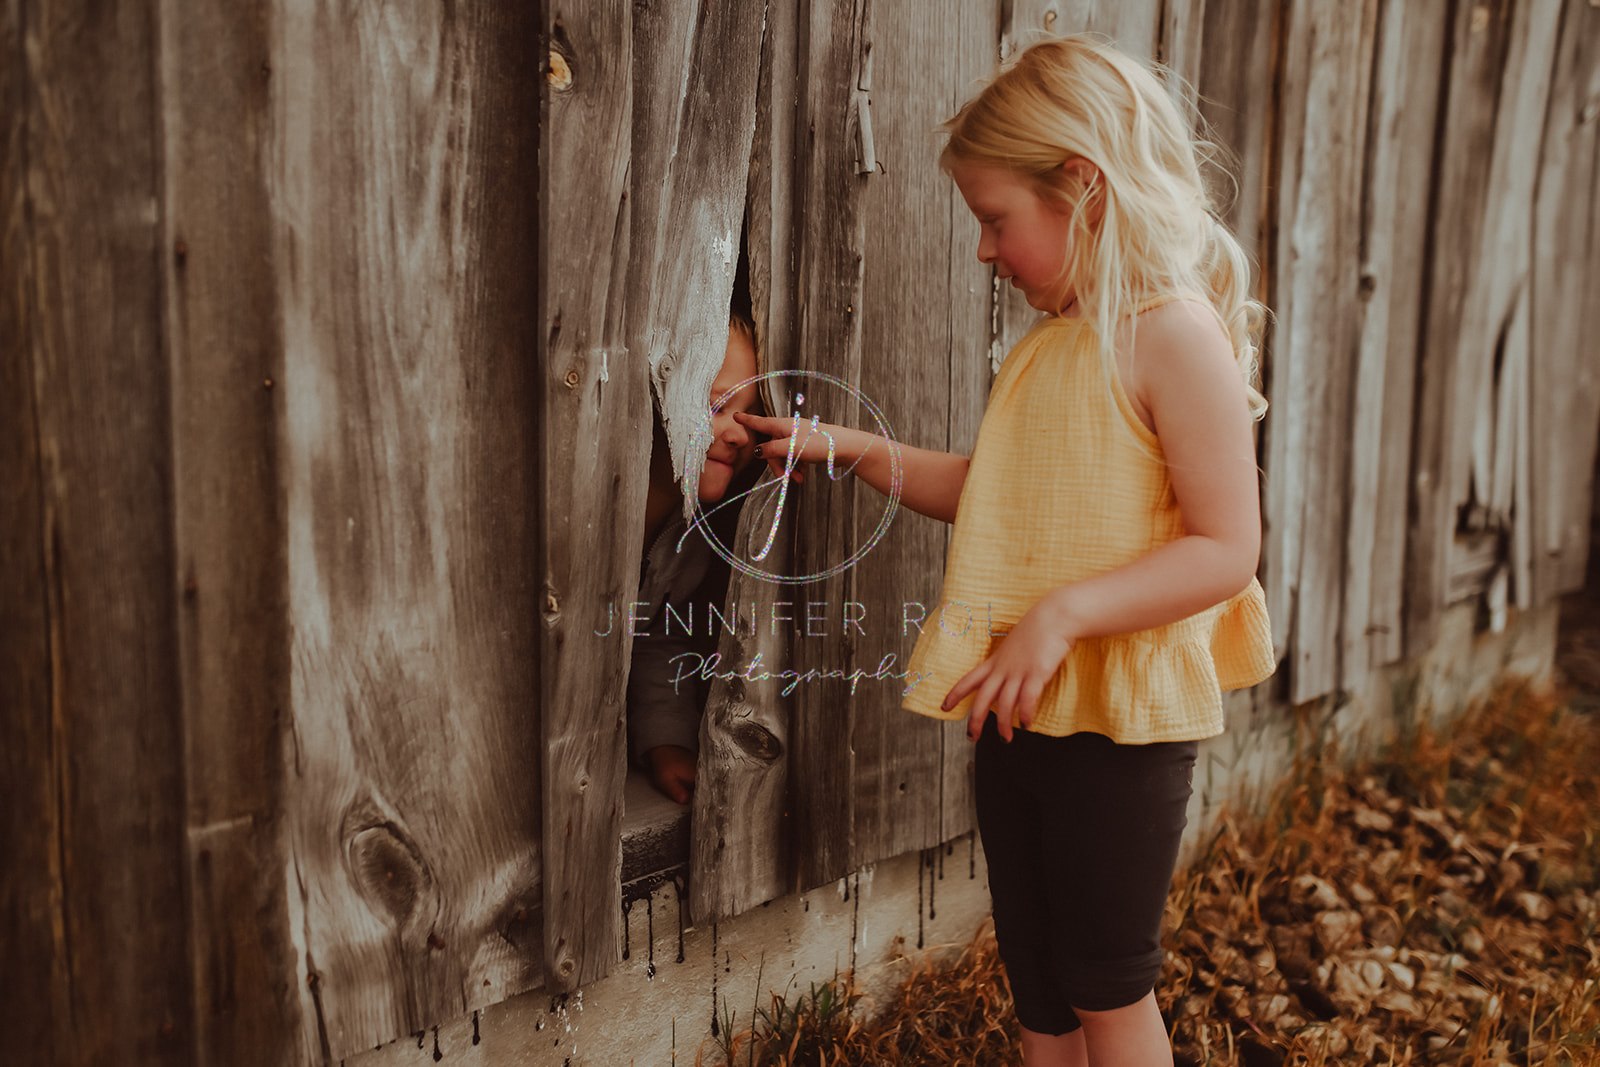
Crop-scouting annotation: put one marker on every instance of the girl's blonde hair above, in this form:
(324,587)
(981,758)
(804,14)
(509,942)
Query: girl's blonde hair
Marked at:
(1155,228)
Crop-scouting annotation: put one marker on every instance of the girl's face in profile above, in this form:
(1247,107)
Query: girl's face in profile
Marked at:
(731,444)
(1024,236)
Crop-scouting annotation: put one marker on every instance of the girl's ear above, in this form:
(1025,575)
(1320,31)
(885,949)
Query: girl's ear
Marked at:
(1086,184)
(1081,174)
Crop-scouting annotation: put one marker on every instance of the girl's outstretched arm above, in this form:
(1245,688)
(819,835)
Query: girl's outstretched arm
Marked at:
(931,481)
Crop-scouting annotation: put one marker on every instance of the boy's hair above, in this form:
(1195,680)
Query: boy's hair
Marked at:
(741,323)
(1075,97)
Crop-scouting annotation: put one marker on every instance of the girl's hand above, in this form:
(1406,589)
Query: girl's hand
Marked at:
(1011,679)
(794,441)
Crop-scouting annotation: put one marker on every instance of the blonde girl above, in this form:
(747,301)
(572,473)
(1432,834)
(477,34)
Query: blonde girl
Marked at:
(1100,592)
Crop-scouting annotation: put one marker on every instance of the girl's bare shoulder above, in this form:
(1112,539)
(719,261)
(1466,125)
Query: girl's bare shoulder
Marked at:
(1176,341)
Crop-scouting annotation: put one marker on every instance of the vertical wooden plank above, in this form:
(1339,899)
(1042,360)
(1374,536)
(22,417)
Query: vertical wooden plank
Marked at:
(918,306)
(1513,463)
(226,352)
(694,118)
(741,848)
(1238,102)
(833,54)
(1475,58)
(589,536)
(1480,442)
(1564,383)
(1398,172)
(31,912)
(1327,57)
(406,235)
(695,81)
(95,929)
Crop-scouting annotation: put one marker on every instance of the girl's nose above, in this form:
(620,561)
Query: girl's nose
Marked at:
(985,250)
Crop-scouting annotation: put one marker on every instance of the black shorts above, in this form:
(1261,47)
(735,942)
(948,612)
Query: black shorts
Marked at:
(1081,835)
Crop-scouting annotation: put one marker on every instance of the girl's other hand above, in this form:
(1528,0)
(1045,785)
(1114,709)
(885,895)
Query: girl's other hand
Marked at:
(1012,678)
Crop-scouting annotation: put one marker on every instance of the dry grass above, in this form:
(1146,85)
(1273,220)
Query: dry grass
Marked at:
(1437,906)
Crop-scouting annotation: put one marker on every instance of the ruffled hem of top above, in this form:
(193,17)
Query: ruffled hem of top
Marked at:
(1133,690)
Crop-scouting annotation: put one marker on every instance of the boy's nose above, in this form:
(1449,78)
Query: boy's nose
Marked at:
(734,432)
(985,251)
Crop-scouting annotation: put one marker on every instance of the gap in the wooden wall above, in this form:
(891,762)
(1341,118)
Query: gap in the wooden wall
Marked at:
(655,828)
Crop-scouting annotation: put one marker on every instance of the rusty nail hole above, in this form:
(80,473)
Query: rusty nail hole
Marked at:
(266,383)
(435,942)
(572,378)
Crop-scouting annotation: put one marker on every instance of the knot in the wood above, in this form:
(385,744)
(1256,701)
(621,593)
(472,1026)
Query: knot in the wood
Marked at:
(385,864)
(756,741)
(560,76)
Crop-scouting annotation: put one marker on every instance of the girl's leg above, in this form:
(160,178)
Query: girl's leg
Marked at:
(1116,850)
(1009,816)
(1054,1050)
(1131,1036)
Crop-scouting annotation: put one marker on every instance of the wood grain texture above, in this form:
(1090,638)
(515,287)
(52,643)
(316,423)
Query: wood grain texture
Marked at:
(1564,383)
(1132,25)
(834,50)
(695,88)
(31,888)
(95,936)
(1236,79)
(694,105)
(405,235)
(921,314)
(741,852)
(1491,367)
(1398,169)
(1238,103)
(226,354)
(1326,69)
(589,537)
(1476,47)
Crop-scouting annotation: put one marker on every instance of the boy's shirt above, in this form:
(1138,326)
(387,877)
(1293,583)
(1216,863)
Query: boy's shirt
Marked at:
(660,713)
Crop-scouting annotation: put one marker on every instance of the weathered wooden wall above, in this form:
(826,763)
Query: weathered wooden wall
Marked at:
(321,446)
(269,439)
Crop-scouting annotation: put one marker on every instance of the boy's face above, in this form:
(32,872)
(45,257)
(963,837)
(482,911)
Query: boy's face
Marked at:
(731,443)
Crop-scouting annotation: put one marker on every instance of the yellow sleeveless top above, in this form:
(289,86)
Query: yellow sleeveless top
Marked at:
(1058,492)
